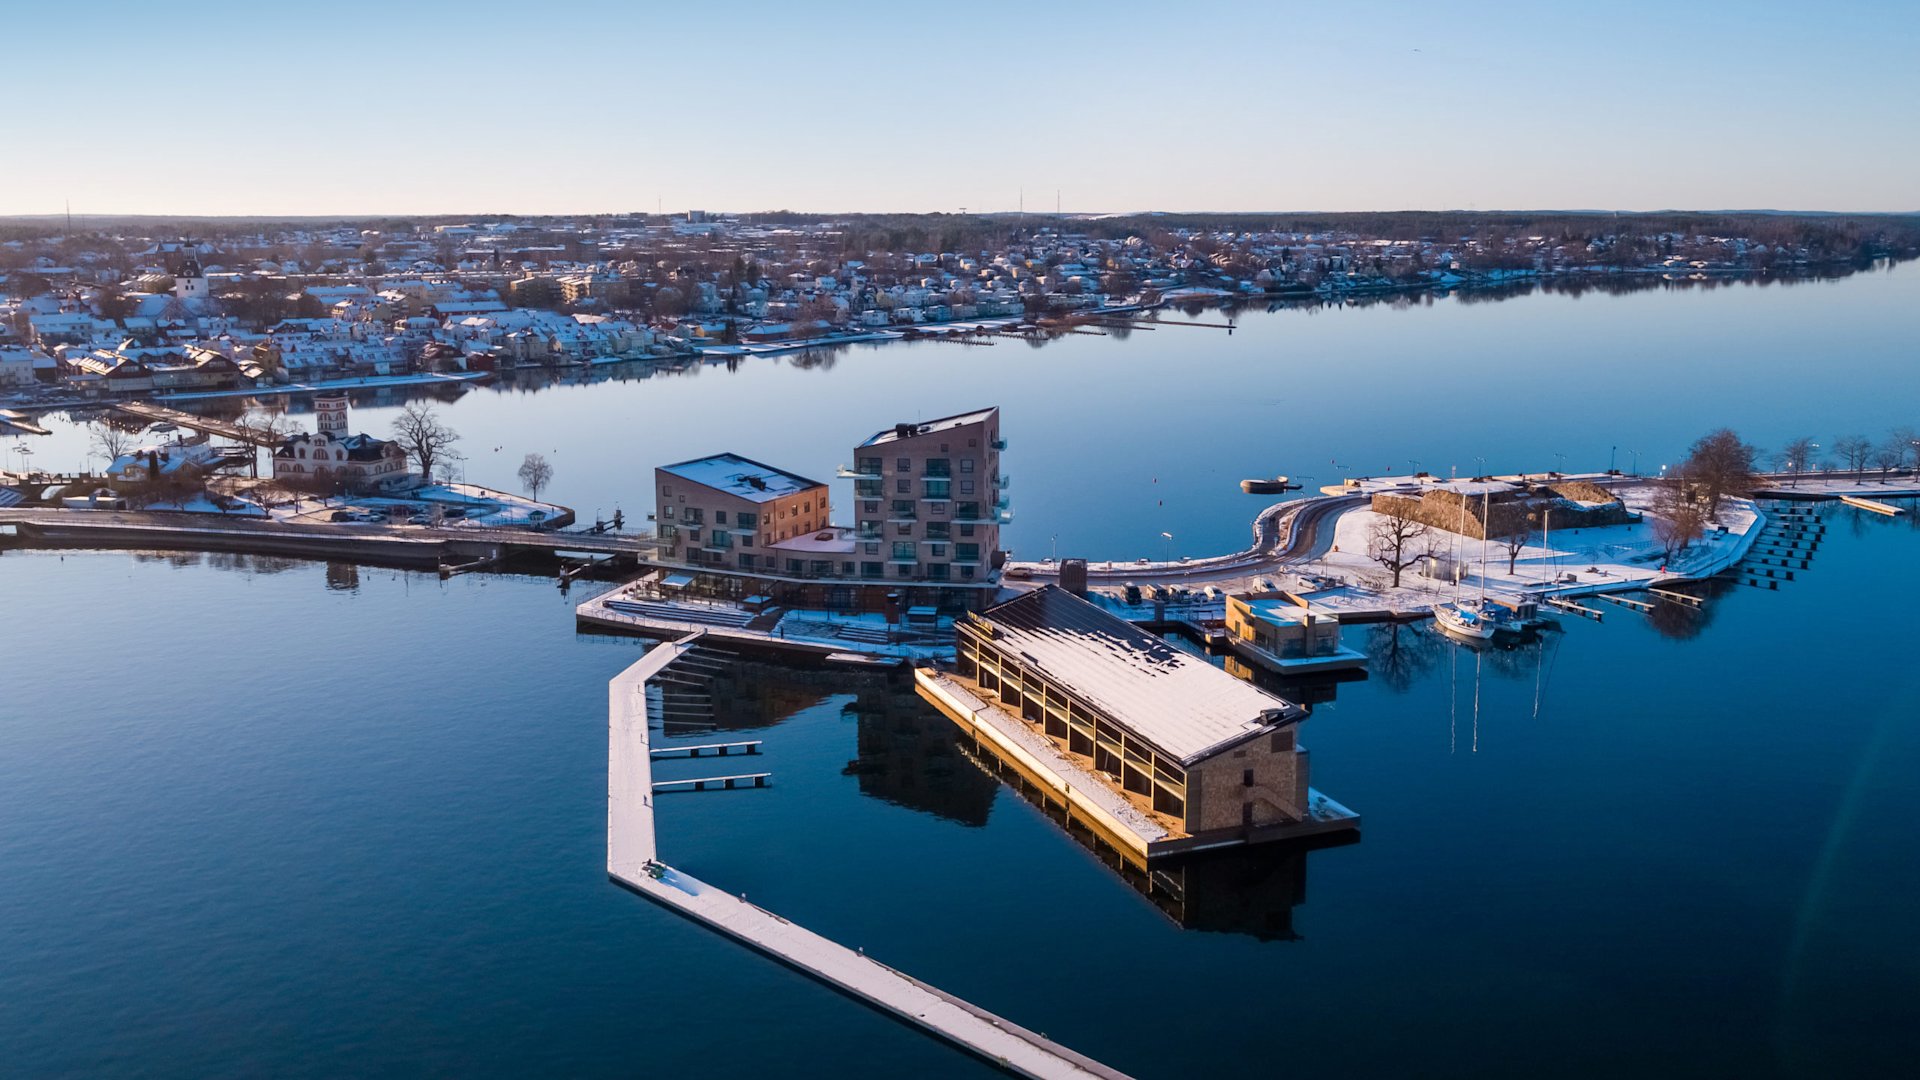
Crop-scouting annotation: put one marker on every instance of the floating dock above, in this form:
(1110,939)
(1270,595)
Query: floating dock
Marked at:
(1877,507)
(633,862)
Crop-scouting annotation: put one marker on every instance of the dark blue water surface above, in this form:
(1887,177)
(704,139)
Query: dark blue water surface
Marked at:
(275,817)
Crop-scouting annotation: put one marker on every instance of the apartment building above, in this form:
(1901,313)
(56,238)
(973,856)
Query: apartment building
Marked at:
(731,512)
(929,500)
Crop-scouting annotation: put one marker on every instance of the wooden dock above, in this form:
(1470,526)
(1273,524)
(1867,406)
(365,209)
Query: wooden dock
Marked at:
(716,783)
(633,862)
(724,749)
(1869,504)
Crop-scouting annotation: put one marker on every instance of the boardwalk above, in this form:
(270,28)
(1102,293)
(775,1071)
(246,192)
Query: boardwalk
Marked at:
(226,429)
(633,861)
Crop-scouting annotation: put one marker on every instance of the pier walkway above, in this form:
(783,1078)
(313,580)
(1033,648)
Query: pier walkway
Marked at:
(633,861)
(226,429)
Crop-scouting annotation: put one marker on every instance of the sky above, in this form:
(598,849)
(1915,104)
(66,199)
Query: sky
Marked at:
(212,107)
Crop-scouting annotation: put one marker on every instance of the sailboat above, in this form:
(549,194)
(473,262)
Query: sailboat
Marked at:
(1469,620)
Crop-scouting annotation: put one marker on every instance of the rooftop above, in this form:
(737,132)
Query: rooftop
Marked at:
(1178,701)
(744,477)
(945,423)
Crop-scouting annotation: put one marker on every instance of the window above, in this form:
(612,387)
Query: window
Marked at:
(793,567)
(1246,814)
(904,528)
(903,551)
(746,561)
(871,506)
(1246,778)
(967,552)
(872,569)
(966,487)
(870,466)
(695,514)
(966,463)
(666,489)
(870,549)
(938,551)
(966,573)
(966,530)
(719,517)
(667,512)
(747,519)
(905,464)
(968,511)
(903,486)
(940,489)
(939,467)
(938,571)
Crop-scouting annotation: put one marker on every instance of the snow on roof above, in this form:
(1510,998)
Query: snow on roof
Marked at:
(1183,705)
(945,423)
(740,476)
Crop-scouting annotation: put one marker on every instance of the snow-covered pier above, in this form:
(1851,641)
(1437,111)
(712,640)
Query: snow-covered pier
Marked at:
(633,861)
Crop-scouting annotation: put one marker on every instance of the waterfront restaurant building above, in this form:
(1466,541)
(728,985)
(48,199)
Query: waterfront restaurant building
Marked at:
(1204,758)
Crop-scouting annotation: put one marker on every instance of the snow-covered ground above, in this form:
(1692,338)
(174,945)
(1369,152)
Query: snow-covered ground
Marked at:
(1569,562)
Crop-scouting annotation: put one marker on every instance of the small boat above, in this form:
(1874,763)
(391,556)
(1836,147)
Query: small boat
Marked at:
(1468,619)
(1262,486)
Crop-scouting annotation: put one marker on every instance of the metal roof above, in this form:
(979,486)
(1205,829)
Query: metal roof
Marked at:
(929,427)
(744,477)
(1173,699)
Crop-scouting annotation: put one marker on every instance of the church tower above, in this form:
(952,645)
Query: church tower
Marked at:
(191,282)
(330,416)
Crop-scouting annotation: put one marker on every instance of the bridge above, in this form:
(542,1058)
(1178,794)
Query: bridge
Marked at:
(226,429)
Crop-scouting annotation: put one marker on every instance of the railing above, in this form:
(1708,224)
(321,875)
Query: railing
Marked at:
(845,473)
(998,444)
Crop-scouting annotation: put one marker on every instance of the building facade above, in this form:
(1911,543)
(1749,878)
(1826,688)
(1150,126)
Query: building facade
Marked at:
(1209,756)
(731,512)
(929,500)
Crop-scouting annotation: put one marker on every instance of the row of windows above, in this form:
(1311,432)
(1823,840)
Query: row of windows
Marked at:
(872,466)
(907,510)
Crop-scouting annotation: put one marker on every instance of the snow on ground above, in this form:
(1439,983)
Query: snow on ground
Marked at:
(1578,560)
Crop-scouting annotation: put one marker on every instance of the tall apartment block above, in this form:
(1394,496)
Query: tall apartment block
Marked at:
(929,500)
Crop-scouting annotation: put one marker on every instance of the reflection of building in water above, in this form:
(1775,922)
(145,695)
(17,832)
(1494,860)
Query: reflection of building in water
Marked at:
(343,577)
(1243,890)
(1314,689)
(910,756)
(756,694)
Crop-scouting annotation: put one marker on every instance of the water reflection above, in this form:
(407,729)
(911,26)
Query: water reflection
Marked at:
(911,756)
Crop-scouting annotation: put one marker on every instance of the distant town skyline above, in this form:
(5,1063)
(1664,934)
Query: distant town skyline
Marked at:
(361,109)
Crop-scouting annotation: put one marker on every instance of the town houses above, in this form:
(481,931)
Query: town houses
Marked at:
(101,312)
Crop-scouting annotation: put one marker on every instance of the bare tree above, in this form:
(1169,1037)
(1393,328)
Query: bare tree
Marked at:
(535,473)
(1720,466)
(1889,456)
(1908,440)
(425,439)
(1396,542)
(1679,517)
(1515,536)
(1854,450)
(1797,457)
(109,441)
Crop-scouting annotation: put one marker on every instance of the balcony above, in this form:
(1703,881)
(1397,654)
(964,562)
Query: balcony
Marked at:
(1003,482)
(998,444)
(845,473)
(1003,502)
(903,515)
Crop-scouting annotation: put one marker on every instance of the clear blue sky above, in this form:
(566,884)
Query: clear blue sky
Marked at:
(318,108)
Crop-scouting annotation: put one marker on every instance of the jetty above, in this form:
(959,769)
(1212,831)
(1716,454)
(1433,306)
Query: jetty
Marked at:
(226,429)
(633,861)
(1869,504)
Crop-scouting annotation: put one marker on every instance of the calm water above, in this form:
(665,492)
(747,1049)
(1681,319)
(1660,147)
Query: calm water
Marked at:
(278,817)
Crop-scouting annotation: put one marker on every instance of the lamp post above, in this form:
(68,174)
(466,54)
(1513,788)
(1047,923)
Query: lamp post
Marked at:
(1168,537)
(1636,461)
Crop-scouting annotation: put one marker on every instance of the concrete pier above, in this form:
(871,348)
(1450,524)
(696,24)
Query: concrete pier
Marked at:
(633,861)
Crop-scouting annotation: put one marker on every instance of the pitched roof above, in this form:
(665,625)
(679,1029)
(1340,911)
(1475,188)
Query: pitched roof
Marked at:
(1178,701)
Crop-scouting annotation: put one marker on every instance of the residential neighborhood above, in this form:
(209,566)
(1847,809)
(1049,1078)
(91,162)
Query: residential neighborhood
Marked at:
(101,312)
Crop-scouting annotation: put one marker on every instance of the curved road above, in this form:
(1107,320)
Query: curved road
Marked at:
(1284,533)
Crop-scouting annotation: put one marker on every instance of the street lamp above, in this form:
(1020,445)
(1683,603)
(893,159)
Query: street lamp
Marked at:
(1169,539)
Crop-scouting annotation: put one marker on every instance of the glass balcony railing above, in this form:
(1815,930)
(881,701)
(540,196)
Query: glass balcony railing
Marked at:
(846,473)
(998,444)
